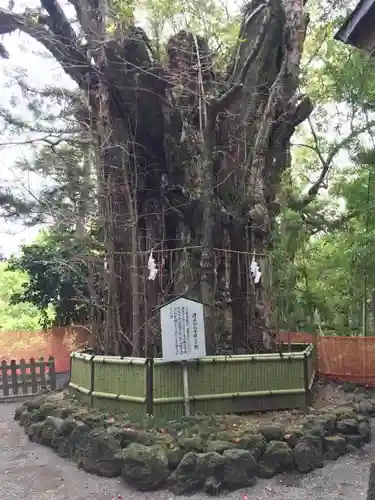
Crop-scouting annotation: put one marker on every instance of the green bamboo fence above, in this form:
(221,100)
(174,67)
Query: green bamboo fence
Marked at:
(217,384)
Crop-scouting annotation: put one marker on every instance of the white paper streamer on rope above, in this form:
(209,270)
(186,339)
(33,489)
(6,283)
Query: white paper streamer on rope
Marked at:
(152,267)
(255,271)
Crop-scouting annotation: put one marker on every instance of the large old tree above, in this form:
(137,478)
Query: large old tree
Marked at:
(186,158)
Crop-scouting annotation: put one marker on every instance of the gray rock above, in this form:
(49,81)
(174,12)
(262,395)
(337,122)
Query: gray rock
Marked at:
(353,440)
(240,469)
(212,486)
(212,464)
(192,443)
(365,407)
(234,469)
(255,443)
(351,449)
(18,411)
(33,431)
(364,430)
(54,422)
(345,411)
(46,409)
(334,447)
(304,458)
(36,402)
(94,420)
(347,426)
(328,423)
(46,435)
(323,424)
(272,432)
(194,469)
(24,417)
(129,436)
(221,446)
(74,438)
(36,416)
(308,453)
(292,437)
(69,425)
(64,412)
(188,475)
(175,455)
(100,456)
(278,457)
(144,467)
(363,418)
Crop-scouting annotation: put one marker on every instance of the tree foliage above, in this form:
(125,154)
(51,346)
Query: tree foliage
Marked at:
(16,317)
(58,279)
(332,273)
(322,271)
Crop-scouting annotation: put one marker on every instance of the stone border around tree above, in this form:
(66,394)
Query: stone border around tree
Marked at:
(186,463)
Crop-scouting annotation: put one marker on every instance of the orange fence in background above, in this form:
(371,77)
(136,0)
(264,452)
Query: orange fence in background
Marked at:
(341,358)
(57,342)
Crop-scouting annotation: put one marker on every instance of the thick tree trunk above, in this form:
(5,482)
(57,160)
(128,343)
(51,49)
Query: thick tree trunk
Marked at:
(255,140)
(179,149)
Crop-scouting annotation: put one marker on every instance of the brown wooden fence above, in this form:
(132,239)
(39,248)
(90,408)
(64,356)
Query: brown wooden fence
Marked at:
(26,378)
(57,342)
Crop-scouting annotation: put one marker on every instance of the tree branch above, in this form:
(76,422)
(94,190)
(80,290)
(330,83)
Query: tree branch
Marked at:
(327,162)
(60,24)
(49,140)
(59,40)
(225,100)
(319,222)
(4,54)
(91,22)
(302,107)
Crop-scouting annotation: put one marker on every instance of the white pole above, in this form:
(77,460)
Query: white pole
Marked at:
(185,381)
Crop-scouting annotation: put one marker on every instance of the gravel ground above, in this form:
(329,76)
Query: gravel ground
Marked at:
(32,472)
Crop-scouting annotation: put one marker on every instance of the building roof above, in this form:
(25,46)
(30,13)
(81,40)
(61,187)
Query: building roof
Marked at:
(350,29)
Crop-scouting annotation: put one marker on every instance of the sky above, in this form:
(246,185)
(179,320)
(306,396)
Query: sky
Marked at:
(27,56)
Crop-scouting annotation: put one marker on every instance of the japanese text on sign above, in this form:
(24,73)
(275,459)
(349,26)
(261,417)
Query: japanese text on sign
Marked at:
(182,324)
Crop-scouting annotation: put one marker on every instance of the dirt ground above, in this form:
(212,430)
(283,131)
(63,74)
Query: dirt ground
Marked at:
(32,472)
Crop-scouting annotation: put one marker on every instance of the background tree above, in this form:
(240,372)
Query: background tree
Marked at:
(58,278)
(333,272)
(59,262)
(313,257)
(16,317)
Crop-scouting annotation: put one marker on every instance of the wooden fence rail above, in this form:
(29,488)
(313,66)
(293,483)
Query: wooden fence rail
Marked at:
(26,378)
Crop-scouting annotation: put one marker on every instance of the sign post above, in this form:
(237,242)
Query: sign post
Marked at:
(185,382)
(183,336)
